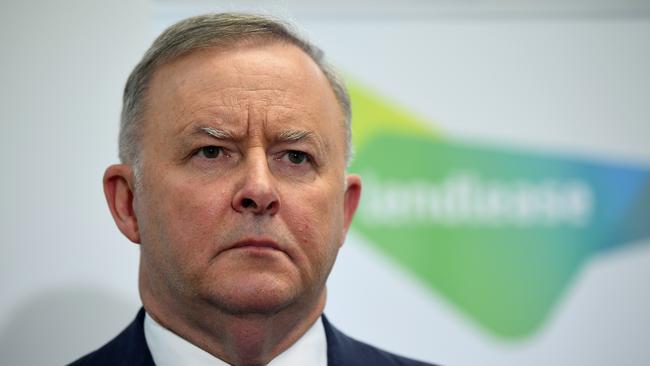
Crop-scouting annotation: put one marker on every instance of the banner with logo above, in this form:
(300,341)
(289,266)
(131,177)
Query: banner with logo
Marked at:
(496,224)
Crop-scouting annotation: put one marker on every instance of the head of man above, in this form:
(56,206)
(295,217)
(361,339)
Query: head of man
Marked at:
(234,147)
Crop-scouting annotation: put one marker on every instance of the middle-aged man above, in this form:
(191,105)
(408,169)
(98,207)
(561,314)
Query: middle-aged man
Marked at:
(234,142)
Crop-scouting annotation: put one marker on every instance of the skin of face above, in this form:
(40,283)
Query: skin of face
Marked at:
(243,201)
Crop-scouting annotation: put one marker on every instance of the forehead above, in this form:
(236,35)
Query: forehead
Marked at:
(242,87)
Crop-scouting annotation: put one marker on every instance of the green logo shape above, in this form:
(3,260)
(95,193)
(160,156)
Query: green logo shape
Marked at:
(500,234)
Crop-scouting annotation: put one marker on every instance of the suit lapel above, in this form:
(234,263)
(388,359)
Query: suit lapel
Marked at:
(133,344)
(339,347)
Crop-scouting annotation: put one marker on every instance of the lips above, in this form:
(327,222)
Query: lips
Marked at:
(256,243)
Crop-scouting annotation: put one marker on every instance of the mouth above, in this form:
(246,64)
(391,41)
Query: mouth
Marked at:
(257,245)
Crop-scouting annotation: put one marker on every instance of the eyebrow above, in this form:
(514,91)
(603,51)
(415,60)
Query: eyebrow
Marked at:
(295,135)
(289,135)
(217,133)
(202,130)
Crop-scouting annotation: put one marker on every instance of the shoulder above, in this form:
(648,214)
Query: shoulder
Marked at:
(343,350)
(128,348)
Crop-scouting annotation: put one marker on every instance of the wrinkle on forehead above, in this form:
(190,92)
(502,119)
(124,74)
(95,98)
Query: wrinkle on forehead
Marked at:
(277,130)
(246,94)
(239,114)
(260,71)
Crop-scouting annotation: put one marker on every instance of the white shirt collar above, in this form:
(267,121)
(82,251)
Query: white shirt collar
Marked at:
(168,349)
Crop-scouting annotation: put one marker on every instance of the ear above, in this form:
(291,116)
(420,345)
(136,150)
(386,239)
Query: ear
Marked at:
(350,200)
(118,189)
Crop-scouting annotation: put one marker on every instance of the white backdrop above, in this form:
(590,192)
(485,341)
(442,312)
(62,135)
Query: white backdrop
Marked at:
(576,83)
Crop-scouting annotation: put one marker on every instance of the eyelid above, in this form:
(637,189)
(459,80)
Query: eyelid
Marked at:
(307,155)
(219,149)
(309,158)
(222,151)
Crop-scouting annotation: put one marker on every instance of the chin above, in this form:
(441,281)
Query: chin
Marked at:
(259,293)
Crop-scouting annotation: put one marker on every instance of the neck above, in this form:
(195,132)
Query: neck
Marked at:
(238,339)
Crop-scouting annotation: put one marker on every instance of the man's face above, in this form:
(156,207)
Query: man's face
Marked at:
(244,202)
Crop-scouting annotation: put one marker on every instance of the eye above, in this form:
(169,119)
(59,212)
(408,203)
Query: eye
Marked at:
(210,152)
(297,157)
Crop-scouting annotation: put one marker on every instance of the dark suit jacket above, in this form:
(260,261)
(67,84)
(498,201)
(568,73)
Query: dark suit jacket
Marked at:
(129,348)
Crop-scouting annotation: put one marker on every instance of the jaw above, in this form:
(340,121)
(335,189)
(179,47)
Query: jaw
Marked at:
(252,337)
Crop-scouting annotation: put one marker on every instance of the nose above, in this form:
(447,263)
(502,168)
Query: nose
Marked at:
(257,192)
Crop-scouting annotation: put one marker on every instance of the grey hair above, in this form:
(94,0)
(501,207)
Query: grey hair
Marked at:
(213,30)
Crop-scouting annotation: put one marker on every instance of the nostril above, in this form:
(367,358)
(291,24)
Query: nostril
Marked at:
(271,206)
(248,203)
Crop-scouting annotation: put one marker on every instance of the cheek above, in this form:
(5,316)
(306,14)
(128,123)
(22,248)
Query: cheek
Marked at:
(315,223)
(182,225)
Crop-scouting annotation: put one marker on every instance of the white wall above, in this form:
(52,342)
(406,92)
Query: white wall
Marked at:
(574,84)
(67,276)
